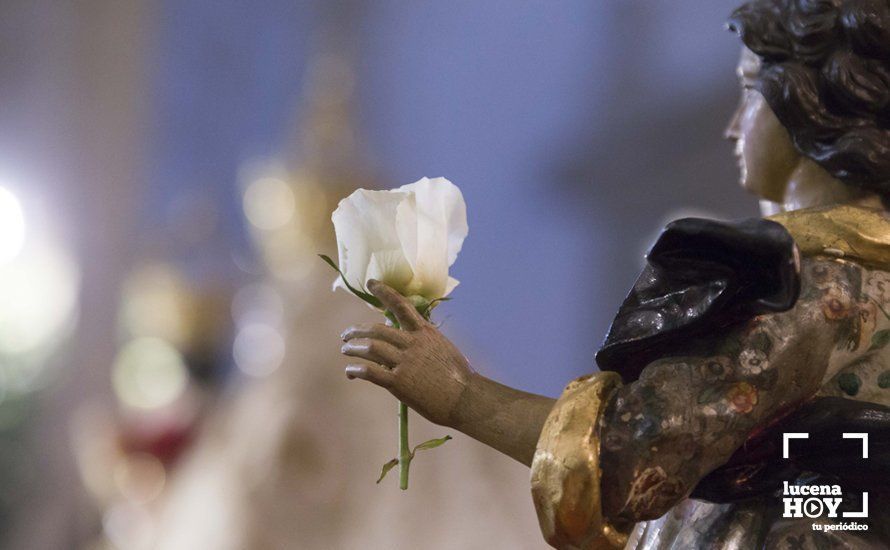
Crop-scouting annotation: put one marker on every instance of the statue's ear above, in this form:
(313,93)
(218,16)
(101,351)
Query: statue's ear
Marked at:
(702,276)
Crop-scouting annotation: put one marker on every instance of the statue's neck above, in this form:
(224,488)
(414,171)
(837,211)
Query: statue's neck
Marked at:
(811,186)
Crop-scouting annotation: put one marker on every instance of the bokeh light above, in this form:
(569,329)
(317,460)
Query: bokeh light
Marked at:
(258,303)
(140,477)
(289,211)
(39,286)
(156,303)
(258,349)
(149,373)
(269,203)
(129,526)
(12,226)
(38,296)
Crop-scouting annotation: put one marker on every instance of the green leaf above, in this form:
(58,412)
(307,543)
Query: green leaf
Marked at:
(386,468)
(370,298)
(392,319)
(431,444)
(880,339)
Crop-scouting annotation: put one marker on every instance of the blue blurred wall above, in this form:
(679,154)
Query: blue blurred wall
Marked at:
(575,129)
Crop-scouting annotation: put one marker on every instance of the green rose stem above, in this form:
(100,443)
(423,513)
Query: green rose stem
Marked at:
(404,452)
(406,455)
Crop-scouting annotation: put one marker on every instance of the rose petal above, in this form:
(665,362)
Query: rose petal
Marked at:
(452,283)
(421,228)
(391,267)
(365,222)
(444,193)
(432,226)
(407,237)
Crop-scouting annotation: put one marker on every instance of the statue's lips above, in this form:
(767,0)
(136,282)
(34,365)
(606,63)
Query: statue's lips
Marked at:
(738,152)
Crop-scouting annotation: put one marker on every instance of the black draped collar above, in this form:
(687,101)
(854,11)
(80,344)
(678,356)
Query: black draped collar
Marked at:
(701,276)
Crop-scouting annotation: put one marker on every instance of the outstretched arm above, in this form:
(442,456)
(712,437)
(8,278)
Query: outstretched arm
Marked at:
(423,369)
(605,457)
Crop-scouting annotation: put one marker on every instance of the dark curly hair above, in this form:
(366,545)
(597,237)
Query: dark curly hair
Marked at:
(825,72)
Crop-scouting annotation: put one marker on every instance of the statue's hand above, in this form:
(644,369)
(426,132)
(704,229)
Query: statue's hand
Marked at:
(417,364)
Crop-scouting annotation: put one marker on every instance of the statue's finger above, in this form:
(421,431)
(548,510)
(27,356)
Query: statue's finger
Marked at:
(394,336)
(372,373)
(403,309)
(373,350)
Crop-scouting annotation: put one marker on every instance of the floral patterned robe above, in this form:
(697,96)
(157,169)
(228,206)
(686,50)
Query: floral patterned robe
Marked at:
(688,413)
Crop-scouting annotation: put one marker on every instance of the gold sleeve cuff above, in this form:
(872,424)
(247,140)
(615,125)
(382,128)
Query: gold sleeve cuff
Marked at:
(566,471)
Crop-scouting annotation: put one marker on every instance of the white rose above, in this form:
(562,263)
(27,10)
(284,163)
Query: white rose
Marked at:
(406,237)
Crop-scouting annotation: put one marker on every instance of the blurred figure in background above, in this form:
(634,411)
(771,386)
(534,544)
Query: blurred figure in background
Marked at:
(173,354)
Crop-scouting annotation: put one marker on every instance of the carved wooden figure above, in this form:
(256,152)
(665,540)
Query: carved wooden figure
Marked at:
(733,334)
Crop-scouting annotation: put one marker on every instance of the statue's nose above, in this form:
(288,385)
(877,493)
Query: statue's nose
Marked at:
(732,131)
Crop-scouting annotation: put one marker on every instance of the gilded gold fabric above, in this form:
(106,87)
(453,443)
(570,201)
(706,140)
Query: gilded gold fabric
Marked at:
(858,234)
(566,471)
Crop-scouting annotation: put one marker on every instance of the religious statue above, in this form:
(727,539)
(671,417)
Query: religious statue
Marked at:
(735,335)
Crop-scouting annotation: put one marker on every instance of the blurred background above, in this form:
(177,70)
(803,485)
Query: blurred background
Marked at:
(169,367)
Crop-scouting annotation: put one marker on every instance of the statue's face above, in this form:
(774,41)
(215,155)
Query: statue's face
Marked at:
(766,156)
